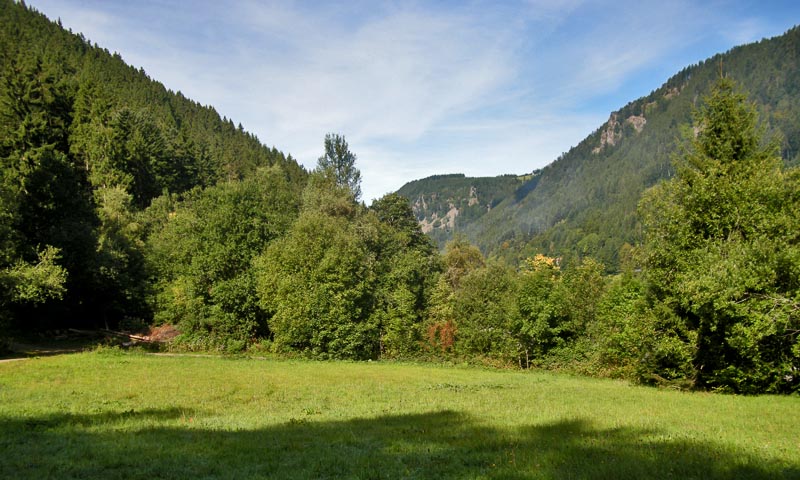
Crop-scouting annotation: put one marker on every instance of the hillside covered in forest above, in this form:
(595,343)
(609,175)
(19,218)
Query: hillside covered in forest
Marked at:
(584,203)
(445,203)
(88,142)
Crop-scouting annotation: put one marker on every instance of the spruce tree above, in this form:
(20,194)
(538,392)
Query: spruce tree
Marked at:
(722,244)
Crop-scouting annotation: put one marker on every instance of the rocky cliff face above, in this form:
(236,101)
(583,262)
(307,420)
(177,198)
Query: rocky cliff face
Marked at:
(612,132)
(432,219)
(446,204)
(638,122)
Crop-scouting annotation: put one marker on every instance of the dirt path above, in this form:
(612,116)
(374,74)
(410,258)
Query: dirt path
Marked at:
(75,341)
(26,351)
(5,360)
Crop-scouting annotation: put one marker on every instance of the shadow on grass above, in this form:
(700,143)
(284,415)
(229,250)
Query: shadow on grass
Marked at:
(48,347)
(31,348)
(446,444)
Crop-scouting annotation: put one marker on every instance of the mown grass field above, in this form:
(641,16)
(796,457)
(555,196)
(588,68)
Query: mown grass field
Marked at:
(105,415)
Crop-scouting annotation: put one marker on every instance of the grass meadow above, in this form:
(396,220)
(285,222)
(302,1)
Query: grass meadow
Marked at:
(108,414)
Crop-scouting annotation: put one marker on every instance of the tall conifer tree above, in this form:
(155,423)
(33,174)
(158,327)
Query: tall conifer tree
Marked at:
(723,250)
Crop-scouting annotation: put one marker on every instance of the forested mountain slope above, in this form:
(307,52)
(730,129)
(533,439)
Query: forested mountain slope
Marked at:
(444,204)
(183,143)
(87,143)
(584,203)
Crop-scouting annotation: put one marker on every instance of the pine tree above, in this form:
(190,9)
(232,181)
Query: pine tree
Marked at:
(46,209)
(722,243)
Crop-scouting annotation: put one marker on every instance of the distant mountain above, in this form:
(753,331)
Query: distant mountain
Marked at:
(584,203)
(446,204)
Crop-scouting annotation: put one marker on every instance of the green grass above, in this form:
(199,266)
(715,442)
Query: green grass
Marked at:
(110,415)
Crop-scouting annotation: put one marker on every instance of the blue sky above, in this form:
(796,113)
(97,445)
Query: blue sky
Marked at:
(420,88)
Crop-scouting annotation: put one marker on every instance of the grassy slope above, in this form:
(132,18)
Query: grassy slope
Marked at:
(105,415)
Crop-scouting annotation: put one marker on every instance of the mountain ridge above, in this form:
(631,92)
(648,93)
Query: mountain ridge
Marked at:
(457,199)
(584,202)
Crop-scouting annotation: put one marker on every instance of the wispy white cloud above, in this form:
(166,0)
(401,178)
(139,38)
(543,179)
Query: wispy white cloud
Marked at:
(417,88)
(596,50)
(392,77)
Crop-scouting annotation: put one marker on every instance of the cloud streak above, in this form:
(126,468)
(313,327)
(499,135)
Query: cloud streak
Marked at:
(418,88)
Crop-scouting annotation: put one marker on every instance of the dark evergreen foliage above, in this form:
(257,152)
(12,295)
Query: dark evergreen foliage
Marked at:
(86,142)
(721,248)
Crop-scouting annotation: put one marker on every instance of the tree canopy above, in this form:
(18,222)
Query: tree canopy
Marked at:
(339,163)
(722,244)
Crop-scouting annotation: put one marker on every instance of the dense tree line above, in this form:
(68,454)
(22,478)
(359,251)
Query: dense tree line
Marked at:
(709,300)
(116,210)
(87,145)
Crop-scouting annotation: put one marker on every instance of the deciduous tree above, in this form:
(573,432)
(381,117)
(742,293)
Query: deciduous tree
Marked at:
(339,162)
